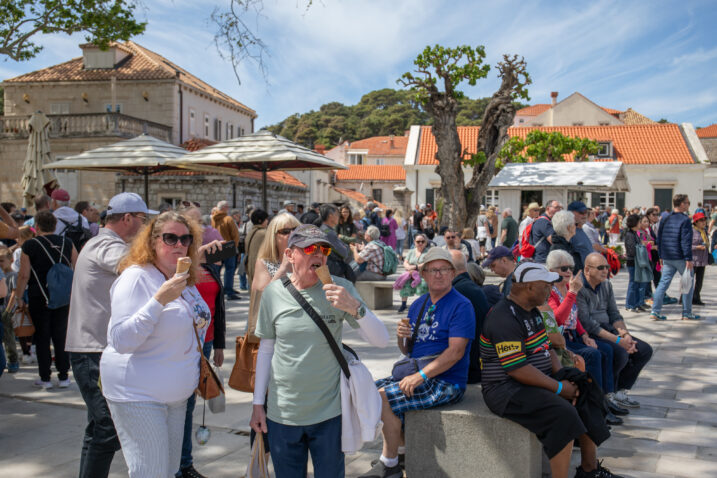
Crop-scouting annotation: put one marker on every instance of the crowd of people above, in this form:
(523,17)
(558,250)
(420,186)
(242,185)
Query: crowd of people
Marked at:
(108,302)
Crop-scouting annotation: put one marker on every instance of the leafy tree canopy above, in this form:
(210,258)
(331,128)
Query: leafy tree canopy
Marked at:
(539,146)
(378,113)
(103,21)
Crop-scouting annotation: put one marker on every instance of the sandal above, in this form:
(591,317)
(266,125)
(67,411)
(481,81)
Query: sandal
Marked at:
(654,316)
(691,317)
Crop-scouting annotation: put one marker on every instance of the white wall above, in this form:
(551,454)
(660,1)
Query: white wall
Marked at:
(575,109)
(205,106)
(682,178)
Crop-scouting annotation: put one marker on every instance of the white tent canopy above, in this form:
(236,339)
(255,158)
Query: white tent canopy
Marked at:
(261,151)
(583,176)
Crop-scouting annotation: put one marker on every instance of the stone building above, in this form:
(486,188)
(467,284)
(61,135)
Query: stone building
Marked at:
(102,97)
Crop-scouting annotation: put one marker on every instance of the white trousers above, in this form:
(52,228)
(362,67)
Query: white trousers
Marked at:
(151,436)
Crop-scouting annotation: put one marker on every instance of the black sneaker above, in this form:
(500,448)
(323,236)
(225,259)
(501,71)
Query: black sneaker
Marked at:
(403,307)
(598,472)
(190,472)
(615,408)
(380,470)
(612,419)
(233,297)
(401,460)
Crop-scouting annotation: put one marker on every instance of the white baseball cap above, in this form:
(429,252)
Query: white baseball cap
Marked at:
(128,202)
(534,272)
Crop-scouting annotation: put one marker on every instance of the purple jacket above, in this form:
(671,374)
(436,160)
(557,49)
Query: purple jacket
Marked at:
(699,256)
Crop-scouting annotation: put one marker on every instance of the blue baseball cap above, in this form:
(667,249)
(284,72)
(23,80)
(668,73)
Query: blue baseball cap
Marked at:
(577,206)
(124,203)
(495,254)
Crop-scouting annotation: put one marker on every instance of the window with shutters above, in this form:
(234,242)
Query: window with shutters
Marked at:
(206,126)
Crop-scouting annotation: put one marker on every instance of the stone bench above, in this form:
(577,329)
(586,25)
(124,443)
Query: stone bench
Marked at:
(468,440)
(378,294)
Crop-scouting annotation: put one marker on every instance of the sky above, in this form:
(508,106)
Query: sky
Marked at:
(657,57)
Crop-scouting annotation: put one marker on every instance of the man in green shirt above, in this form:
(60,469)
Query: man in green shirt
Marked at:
(509,228)
(296,362)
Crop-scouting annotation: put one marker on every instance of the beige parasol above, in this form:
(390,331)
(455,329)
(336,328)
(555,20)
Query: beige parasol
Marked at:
(35,180)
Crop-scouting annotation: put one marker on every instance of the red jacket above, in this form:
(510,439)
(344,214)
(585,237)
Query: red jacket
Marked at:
(562,310)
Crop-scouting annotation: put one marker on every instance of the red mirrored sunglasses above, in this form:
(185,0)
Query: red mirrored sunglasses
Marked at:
(309,250)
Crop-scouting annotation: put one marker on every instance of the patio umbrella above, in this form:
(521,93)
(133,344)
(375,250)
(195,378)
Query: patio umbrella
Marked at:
(143,155)
(35,180)
(261,151)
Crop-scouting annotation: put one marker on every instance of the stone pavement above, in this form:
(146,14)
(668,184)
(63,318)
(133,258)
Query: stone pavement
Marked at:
(673,434)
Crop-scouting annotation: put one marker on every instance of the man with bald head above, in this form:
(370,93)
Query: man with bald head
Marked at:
(599,315)
(470,290)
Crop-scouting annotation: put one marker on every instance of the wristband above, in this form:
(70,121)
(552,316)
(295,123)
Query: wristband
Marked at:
(618,340)
(560,388)
(423,374)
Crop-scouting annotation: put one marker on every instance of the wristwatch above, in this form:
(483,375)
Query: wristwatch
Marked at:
(360,312)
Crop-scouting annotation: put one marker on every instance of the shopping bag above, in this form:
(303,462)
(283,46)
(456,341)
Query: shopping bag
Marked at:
(218,404)
(259,461)
(21,322)
(686,282)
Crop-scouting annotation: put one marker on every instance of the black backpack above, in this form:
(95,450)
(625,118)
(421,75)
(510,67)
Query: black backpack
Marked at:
(385,230)
(76,233)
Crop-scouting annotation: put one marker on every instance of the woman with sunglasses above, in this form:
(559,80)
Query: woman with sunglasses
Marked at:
(413,257)
(151,364)
(271,263)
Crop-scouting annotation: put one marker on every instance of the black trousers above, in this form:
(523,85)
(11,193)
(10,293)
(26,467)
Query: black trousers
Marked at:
(50,326)
(627,367)
(699,279)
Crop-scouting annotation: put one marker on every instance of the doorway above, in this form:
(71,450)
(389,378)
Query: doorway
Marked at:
(663,198)
(526,197)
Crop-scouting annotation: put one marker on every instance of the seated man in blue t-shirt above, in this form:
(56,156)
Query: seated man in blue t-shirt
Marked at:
(446,328)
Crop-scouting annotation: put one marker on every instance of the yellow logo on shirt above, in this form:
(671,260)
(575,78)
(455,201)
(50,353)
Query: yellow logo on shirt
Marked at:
(507,348)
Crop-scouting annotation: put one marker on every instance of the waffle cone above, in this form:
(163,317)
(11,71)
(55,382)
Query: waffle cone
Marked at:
(183,265)
(324,275)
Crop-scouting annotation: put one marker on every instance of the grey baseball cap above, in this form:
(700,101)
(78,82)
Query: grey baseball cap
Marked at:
(128,202)
(436,254)
(306,235)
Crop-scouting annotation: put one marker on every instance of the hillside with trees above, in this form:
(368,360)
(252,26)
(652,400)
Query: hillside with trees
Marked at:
(379,113)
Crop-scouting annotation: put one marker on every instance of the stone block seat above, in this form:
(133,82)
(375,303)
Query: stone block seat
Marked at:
(468,440)
(378,294)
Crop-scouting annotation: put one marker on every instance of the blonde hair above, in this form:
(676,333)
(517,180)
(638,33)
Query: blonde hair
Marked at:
(267,250)
(468,233)
(142,252)
(398,215)
(532,206)
(26,233)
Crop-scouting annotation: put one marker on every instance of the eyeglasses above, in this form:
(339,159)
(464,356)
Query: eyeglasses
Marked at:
(600,268)
(441,271)
(309,250)
(420,242)
(449,237)
(171,239)
(190,203)
(565,268)
(285,232)
(142,217)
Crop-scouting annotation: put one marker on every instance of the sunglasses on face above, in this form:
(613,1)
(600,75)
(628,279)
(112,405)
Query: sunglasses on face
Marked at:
(419,242)
(564,268)
(600,268)
(309,250)
(286,231)
(450,237)
(171,239)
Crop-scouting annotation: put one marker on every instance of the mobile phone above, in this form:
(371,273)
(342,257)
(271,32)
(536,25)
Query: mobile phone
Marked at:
(229,249)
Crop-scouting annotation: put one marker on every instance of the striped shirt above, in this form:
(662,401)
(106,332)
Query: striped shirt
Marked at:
(512,338)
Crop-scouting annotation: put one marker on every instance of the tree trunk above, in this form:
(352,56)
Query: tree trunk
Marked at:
(451,199)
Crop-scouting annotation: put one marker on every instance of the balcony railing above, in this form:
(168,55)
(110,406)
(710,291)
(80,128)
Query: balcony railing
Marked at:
(87,125)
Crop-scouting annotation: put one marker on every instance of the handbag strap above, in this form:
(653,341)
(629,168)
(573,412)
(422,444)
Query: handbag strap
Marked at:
(409,346)
(319,323)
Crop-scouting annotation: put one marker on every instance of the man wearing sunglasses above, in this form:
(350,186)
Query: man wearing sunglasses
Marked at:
(95,272)
(304,401)
(600,317)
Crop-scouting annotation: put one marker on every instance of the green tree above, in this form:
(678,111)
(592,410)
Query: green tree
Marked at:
(663,121)
(539,146)
(103,21)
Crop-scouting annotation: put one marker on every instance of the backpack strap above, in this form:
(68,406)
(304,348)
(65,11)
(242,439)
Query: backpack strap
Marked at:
(319,323)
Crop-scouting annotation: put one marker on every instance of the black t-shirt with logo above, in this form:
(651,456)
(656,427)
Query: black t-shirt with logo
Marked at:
(41,263)
(512,338)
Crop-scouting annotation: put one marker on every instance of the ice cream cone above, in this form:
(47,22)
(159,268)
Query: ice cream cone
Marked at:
(324,275)
(183,265)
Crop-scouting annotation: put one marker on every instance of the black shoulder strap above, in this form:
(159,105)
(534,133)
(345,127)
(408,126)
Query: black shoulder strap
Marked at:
(409,346)
(320,323)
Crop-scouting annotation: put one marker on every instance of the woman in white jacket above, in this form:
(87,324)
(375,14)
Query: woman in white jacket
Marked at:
(151,364)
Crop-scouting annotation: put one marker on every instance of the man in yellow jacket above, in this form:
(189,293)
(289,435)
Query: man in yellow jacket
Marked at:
(226,226)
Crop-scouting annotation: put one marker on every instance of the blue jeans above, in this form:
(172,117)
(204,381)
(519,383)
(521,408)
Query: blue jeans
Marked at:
(187,460)
(626,366)
(230,267)
(635,290)
(598,362)
(669,269)
(242,277)
(290,447)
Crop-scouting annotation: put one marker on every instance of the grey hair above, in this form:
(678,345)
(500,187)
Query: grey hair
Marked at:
(222,204)
(62,203)
(508,211)
(562,221)
(373,233)
(559,258)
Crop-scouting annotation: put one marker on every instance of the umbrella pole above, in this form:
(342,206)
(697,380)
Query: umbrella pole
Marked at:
(263,186)
(146,187)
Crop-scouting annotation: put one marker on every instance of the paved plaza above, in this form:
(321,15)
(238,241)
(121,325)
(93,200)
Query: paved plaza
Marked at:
(673,434)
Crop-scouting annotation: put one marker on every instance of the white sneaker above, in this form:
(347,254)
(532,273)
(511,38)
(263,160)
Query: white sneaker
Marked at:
(44,385)
(64,383)
(623,399)
(26,359)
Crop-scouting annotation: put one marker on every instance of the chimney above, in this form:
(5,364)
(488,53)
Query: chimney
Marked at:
(390,141)
(554,96)
(320,148)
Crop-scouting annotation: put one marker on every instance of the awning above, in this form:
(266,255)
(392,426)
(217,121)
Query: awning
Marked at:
(606,176)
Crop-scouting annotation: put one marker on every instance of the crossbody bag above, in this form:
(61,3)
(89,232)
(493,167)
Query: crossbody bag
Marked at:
(409,365)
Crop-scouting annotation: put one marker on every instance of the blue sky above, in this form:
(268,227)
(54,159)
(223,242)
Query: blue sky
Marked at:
(658,57)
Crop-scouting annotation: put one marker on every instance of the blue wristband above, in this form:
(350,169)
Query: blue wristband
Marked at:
(618,340)
(423,374)
(560,388)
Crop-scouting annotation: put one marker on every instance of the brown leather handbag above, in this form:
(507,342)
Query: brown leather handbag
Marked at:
(244,370)
(209,384)
(20,317)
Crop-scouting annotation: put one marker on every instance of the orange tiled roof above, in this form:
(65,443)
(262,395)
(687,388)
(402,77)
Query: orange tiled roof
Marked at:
(141,64)
(382,145)
(611,111)
(357,196)
(195,144)
(533,110)
(632,144)
(366,172)
(708,131)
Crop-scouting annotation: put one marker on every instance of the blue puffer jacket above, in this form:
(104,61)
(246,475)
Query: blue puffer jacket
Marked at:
(674,237)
